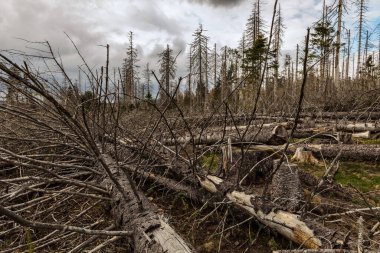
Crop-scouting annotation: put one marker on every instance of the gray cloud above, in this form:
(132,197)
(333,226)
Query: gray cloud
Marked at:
(151,18)
(179,45)
(155,23)
(219,3)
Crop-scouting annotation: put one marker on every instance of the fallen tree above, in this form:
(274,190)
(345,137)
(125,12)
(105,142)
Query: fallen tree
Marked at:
(358,127)
(370,153)
(269,134)
(286,223)
(358,152)
(56,149)
(151,232)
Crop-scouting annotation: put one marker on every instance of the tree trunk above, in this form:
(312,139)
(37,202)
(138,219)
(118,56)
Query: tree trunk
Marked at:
(369,153)
(359,127)
(287,224)
(151,232)
(361,13)
(273,135)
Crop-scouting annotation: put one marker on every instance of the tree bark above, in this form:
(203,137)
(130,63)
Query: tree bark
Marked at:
(150,232)
(370,153)
(358,127)
(274,135)
(287,224)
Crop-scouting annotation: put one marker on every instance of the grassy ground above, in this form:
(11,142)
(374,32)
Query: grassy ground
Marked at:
(210,162)
(363,176)
(367,141)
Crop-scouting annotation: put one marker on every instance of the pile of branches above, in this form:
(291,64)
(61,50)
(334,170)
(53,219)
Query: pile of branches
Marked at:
(72,169)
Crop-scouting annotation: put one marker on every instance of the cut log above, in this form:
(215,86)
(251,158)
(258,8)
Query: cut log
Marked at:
(278,117)
(358,127)
(273,135)
(366,135)
(280,221)
(363,135)
(303,156)
(343,115)
(150,232)
(369,153)
(229,128)
(322,133)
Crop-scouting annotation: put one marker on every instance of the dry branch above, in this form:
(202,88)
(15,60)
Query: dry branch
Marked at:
(150,232)
(287,224)
(39,225)
(275,135)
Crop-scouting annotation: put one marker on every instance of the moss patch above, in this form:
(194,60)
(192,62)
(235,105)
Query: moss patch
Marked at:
(367,141)
(210,162)
(364,176)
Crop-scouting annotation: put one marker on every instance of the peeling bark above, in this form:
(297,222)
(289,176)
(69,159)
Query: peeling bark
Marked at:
(286,223)
(150,232)
(369,153)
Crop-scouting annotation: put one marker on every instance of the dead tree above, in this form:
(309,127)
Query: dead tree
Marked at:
(61,157)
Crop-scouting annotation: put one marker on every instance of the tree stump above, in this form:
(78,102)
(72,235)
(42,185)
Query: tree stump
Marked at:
(303,156)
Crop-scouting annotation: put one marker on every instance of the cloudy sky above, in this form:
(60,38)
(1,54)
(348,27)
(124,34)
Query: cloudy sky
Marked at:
(91,23)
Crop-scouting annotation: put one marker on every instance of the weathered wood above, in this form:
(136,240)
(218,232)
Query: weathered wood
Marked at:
(358,127)
(303,156)
(277,117)
(366,135)
(343,115)
(369,153)
(150,232)
(287,224)
(363,135)
(272,134)
(360,152)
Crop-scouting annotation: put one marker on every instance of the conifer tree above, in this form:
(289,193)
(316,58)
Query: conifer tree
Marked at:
(167,71)
(198,58)
(130,73)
